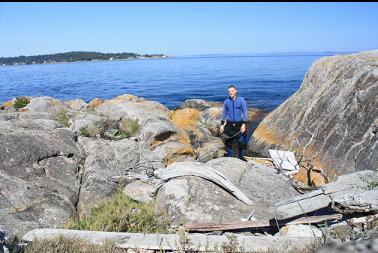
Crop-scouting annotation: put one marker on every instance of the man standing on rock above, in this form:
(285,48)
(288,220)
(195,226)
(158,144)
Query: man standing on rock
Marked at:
(234,121)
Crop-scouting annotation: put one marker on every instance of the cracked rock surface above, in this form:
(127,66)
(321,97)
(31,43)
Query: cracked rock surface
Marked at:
(332,117)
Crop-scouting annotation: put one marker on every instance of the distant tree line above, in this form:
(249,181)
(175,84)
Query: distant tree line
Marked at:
(72,57)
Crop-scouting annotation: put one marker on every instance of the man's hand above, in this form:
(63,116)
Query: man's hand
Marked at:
(242,129)
(221,129)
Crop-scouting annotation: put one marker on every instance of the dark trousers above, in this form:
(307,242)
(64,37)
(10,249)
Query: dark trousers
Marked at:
(231,129)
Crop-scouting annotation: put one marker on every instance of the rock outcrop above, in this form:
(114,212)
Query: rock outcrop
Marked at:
(59,158)
(195,199)
(332,118)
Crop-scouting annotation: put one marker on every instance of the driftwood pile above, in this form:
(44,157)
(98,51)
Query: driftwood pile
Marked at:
(351,197)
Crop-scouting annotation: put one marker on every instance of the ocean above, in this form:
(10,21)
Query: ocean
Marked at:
(264,80)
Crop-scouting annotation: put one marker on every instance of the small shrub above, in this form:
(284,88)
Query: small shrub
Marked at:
(84,132)
(128,126)
(121,135)
(343,232)
(63,118)
(20,102)
(121,214)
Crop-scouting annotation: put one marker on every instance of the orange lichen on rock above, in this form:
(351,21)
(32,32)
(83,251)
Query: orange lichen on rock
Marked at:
(174,155)
(9,103)
(311,177)
(95,102)
(186,119)
(263,133)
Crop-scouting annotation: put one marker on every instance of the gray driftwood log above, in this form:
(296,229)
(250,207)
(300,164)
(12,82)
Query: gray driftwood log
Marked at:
(171,242)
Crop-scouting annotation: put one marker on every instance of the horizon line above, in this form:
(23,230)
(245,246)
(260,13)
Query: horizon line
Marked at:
(206,54)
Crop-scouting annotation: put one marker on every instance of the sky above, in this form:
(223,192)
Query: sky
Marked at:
(187,28)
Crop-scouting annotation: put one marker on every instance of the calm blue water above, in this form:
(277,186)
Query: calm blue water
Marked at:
(264,81)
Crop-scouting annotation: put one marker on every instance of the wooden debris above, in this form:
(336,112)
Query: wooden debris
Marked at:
(175,242)
(207,227)
(357,202)
(285,161)
(345,185)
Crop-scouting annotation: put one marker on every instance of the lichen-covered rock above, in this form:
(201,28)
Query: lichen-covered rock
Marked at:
(198,200)
(46,104)
(332,117)
(76,104)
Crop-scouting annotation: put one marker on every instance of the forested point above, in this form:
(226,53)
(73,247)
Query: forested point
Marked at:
(73,57)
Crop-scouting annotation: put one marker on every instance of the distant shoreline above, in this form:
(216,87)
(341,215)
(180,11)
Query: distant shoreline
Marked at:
(64,62)
(78,56)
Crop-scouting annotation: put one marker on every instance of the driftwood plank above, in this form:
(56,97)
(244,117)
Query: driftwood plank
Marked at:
(358,202)
(346,185)
(207,227)
(171,242)
(182,169)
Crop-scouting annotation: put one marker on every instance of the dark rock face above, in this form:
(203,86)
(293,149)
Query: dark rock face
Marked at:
(333,117)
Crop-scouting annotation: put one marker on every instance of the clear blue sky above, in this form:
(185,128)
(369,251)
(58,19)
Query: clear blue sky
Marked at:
(187,28)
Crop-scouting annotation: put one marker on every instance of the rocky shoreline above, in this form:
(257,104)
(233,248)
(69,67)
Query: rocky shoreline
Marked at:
(61,159)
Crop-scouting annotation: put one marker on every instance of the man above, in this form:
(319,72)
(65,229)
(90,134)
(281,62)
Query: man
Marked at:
(233,122)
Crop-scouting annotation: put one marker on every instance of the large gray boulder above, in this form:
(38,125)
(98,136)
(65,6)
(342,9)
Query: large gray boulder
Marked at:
(107,161)
(332,117)
(39,172)
(195,199)
(46,104)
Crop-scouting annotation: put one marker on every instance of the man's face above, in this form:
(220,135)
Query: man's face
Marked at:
(232,92)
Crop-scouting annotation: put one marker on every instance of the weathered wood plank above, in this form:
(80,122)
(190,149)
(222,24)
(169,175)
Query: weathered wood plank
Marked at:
(207,227)
(171,242)
(302,207)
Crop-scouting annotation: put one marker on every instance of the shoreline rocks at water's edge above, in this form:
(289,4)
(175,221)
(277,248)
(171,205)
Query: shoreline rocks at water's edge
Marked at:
(77,149)
(63,157)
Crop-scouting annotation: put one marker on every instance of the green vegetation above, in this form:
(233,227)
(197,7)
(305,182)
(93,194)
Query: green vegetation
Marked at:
(20,103)
(84,132)
(73,56)
(62,118)
(62,244)
(128,127)
(124,129)
(121,214)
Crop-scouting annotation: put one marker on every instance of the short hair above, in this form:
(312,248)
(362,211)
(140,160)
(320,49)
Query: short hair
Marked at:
(232,86)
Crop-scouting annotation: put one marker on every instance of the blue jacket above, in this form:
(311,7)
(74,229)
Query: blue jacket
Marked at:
(235,110)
